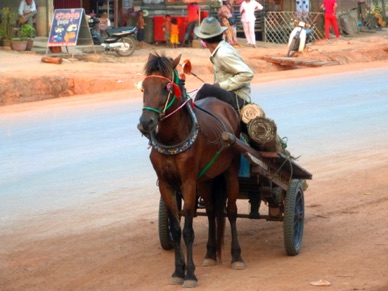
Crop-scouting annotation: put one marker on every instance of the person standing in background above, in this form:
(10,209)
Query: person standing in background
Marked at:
(140,23)
(167,29)
(27,11)
(192,18)
(227,19)
(247,11)
(174,39)
(330,7)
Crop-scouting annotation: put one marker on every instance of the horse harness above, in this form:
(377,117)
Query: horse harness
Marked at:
(175,90)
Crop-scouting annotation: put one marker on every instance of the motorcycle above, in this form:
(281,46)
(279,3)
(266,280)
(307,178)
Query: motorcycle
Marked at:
(121,40)
(300,36)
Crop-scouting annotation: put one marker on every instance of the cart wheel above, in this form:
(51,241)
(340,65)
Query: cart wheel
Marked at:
(293,218)
(164,227)
(164,223)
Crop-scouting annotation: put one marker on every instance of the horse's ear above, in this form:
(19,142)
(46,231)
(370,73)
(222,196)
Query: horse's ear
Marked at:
(175,62)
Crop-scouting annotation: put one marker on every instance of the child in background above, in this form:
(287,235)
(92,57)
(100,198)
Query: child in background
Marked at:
(140,28)
(174,33)
(167,29)
(104,24)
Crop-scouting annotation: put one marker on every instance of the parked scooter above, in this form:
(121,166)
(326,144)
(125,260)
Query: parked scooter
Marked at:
(300,36)
(121,40)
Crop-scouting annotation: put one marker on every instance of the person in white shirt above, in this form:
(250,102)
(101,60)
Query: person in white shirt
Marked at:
(27,11)
(247,11)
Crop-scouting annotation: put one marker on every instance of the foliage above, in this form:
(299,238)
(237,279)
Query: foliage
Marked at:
(8,22)
(26,31)
(15,39)
(2,32)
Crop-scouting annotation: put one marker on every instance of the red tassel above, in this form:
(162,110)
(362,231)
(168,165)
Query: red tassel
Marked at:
(177,91)
(192,103)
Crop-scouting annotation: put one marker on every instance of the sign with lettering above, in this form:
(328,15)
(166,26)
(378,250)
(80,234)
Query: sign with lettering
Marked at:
(69,28)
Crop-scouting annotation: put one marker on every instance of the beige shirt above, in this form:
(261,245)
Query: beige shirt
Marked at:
(231,72)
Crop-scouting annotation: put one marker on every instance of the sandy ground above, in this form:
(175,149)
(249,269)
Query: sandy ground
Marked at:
(25,78)
(113,244)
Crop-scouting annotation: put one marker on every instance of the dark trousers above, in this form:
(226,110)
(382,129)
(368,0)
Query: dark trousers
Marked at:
(231,98)
(190,29)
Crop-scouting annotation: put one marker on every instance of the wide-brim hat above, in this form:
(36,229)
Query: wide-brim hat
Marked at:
(210,27)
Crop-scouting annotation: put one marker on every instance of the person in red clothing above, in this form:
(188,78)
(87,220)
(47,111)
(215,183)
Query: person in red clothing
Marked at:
(192,18)
(330,7)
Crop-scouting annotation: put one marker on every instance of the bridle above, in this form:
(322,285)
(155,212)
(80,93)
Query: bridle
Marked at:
(174,91)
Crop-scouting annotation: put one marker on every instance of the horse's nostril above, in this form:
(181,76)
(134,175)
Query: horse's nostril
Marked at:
(147,124)
(140,127)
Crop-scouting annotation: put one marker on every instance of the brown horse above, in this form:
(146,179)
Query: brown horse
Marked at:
(189,157)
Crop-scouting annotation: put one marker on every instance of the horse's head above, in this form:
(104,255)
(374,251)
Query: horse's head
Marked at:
(159,90)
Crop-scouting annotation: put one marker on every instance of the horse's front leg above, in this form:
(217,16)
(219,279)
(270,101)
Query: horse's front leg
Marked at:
(190,200)
(169,197)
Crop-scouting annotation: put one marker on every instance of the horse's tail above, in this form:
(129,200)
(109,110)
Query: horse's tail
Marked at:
(219,190)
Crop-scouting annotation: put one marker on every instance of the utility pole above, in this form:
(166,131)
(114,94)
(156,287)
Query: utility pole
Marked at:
(116,13)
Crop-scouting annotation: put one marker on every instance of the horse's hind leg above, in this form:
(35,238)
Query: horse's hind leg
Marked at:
(233,190)
(205,190)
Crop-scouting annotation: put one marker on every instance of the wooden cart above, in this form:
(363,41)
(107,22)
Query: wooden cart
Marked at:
(273,178)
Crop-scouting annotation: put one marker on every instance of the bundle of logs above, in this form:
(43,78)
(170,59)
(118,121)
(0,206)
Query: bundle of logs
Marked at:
(262,131)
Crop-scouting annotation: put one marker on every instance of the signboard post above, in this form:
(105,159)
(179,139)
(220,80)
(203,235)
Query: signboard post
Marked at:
(69,29)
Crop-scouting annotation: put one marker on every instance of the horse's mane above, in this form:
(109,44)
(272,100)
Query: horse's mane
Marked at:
(159,63)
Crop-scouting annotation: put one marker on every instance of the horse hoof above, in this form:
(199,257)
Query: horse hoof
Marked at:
(238,266)
(176,281)
(209,263)
(190,284)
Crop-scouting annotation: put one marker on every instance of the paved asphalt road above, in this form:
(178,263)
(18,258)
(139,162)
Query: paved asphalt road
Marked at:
(56,156)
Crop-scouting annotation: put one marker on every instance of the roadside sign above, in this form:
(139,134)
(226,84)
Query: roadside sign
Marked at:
(69,28)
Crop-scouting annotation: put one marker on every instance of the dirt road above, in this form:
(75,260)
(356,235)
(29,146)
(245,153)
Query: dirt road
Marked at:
(113,244)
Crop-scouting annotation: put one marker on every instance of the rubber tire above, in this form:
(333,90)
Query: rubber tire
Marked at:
(164,227)
(131,47)
(293,218)
(165,237)
(291,48)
